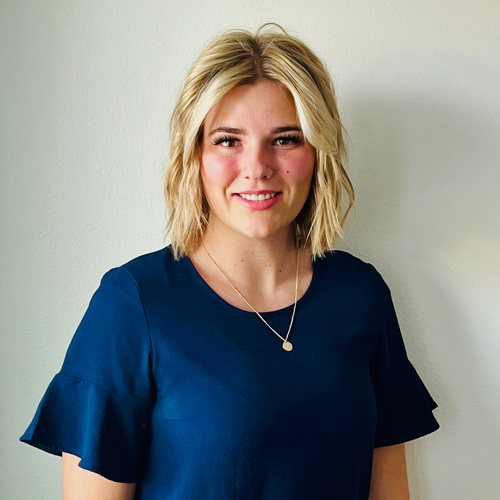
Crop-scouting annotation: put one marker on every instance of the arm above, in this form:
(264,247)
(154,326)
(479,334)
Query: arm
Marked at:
(389,478)
(81,484)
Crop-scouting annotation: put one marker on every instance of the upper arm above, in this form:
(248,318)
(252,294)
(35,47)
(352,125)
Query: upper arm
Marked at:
(389,477)
(81,484)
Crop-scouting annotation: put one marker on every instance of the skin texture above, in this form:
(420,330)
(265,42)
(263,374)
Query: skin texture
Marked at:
(254,156)
(389,477)
(81,484)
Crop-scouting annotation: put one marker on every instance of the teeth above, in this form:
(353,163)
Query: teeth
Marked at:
(257,197)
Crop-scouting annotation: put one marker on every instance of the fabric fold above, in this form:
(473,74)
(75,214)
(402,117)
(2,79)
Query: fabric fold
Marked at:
(105,430)
(404,409)
(404,405)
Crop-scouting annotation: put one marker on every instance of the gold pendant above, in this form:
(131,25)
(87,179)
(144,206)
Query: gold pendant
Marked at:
(287,346)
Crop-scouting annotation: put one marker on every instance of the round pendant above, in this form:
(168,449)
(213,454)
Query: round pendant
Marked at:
(287,346)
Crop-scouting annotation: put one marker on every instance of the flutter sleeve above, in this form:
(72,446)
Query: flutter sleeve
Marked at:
(404,405)
(98,406)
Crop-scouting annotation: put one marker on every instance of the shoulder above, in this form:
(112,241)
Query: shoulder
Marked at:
(143,269)
(150,277)
(343,264)
(113,338)
(149,264)
(350,275)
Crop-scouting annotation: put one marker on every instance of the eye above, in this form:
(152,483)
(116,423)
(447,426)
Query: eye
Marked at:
(287,140)
(225,141)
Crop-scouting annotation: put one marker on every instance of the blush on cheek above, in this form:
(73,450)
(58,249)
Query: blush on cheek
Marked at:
(217,170)
(300,168)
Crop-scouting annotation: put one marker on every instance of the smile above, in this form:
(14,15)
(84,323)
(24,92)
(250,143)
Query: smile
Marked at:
(259,201)
(258,197)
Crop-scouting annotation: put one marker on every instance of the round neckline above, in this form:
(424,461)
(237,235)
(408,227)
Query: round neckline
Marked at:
(278,312)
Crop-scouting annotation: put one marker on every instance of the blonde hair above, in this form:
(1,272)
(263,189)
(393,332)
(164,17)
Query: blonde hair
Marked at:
(236,58)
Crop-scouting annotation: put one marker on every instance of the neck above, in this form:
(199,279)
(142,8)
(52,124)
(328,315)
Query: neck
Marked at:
(262,269)
(266,262)
(264,272)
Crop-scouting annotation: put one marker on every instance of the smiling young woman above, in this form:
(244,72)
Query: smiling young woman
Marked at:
(256,166)
(256,170)
(249,359)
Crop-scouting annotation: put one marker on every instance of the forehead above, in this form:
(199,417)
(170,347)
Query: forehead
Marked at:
(265,103)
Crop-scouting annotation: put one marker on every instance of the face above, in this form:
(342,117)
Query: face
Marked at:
(256,167)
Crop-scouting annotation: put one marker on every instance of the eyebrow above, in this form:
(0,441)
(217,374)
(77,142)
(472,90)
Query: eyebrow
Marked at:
(240,131)
(227,130)
(289,128)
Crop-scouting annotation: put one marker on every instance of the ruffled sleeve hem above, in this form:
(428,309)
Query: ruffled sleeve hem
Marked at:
(105,430)
(408,434)
(405,413)
(404,405)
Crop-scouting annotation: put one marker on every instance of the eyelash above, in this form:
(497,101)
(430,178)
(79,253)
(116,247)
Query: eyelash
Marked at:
(294,139)
(222,139)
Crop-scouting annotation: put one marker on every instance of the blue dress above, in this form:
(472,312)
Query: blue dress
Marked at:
(167,385)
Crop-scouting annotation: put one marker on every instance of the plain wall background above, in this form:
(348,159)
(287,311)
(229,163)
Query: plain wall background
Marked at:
(86,94)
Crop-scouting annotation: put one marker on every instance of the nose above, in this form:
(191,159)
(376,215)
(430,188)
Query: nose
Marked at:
(257,162)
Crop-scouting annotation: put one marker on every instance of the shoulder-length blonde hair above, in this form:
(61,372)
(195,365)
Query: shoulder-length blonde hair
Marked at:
(237,58)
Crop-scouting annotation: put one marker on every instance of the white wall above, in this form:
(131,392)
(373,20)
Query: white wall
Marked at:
(87,90)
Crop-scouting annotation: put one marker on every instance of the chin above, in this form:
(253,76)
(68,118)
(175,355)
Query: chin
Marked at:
(261,232)
(259,235)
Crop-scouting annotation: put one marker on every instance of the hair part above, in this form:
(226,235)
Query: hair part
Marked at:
(237,58)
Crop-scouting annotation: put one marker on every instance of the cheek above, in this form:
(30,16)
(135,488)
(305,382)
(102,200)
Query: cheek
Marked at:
(220,171)
(300,168)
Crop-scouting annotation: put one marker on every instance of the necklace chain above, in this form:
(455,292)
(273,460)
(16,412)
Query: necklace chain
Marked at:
(287,346)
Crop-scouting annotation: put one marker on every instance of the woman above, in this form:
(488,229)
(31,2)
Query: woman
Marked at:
(247,360)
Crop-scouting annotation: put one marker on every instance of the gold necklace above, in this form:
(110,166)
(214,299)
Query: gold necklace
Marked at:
(287,346)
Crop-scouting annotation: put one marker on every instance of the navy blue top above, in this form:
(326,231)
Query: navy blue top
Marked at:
(167,385)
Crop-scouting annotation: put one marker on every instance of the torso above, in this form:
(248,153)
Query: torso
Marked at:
(236,416)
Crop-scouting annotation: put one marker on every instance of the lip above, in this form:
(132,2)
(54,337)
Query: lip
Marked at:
(259,205)
(261,191)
